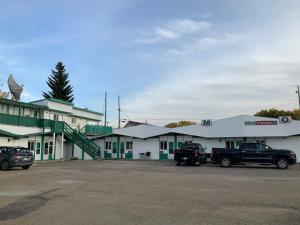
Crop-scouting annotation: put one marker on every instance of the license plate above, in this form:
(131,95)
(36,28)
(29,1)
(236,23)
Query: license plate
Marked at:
(184,158)
(26,159)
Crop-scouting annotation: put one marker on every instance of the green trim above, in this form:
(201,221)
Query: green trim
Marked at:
(24,104)
(128,156)
(122,149)
(114,146)
(118,147)
(171,147)
(163,156)
(107,155)
(175,141)
(88,110)
(42,147)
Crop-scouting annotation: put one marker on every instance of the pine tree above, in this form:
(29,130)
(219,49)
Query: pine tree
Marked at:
(59,84)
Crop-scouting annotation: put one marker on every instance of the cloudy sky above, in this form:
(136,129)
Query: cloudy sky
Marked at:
(168,60)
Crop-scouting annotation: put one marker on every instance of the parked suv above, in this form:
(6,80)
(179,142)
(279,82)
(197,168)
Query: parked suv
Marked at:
(15,157)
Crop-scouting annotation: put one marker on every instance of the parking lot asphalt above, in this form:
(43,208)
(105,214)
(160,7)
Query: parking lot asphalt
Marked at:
(148,192)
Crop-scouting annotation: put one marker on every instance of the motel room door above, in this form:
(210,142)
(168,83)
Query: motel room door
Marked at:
(46,151)
(122,150)
(37,151)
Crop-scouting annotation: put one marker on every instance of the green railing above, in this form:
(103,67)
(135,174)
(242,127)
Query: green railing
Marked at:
(84,143)
(56,126)
(96,130)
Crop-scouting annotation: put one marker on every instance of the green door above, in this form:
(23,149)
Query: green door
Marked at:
(122,149)
(50,155)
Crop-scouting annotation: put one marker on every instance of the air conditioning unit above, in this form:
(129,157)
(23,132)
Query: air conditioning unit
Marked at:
(285,119)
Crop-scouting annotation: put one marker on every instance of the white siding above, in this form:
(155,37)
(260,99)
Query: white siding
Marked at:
(143,146)
(290,143)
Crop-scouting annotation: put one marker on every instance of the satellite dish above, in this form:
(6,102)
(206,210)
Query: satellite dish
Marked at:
(15,88)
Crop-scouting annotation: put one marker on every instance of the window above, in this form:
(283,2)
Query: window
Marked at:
(50,147)
(46,148)
(35,114)
(31,145)
(238,143)
(114,147)
(171,148)
(129,145)
(4,109)
(262,147)
(38,148)
(74,121)
(108,145)
(163,145)
(22,111)
(122,147)
(249,146)
(229,144)
(16,110)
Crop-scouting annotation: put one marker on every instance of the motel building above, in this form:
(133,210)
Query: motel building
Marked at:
(53,129)
(158,143)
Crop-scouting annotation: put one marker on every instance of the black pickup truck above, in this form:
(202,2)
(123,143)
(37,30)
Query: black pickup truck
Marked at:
(253,153)
(191,153)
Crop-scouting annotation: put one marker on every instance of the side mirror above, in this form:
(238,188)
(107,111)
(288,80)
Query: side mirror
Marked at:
(267,148)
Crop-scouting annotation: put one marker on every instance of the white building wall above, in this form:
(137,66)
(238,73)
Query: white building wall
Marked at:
(143,146)
(100,143)
(290,143)
(78,153)
(7,141)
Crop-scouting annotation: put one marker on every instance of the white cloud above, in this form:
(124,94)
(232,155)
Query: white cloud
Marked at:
(173,29)
(225,91)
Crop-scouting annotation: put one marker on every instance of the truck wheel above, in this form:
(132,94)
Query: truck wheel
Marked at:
(5,165)
(178,164)
(25,167)
(225,162)
(282,163)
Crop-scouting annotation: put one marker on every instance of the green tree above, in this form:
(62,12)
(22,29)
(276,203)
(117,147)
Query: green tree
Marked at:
(59,84)
(275,113)
(272,113)
(180,124)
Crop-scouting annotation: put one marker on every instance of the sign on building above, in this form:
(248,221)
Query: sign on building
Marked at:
(261,123)
(206,123)
(285,119)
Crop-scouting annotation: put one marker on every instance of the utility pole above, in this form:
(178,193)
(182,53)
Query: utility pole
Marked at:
(105,109)
(119,111)
(298,92)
